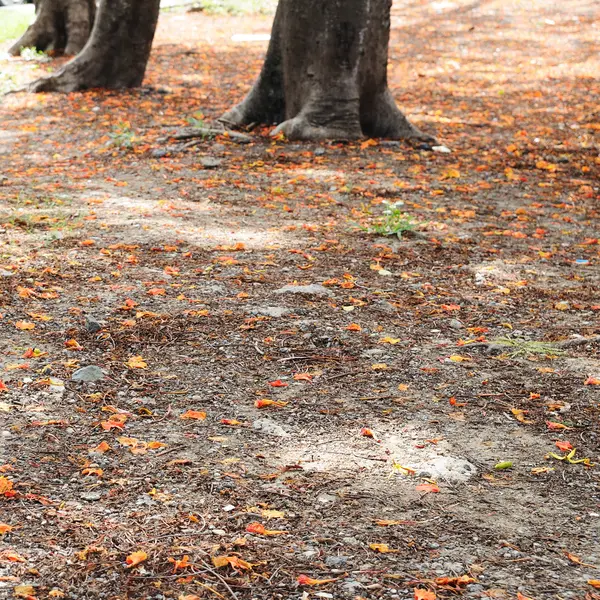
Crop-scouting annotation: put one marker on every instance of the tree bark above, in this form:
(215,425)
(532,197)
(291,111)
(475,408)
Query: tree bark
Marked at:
(116,54)
(60,26)
(325,74)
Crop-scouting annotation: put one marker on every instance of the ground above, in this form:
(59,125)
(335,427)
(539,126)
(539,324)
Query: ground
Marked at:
(178,269)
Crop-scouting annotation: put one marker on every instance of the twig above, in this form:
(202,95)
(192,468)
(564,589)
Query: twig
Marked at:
(213,572)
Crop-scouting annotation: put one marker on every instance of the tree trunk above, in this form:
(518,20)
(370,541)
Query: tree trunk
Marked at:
(60,26)
(325,74)
(116,54)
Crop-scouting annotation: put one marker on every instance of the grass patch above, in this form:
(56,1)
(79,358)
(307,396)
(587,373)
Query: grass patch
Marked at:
(236,7)
(393,221)
(519,347)
(14,21)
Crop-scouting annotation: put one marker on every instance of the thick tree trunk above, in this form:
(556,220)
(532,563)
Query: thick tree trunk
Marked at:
(60,26)
(116,54)
(325,74)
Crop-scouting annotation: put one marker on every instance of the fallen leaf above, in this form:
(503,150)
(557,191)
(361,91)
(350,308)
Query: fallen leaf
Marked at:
(264,402)
(592,381)
(259,529)
(4,528)
(137,362)
(194,414)
(135,558)
(278,383)
(519,415)
(24,325)
(422,594)
(382,548)
(306,580)
(428,488)
(234,561)
(24,591)
(563,446)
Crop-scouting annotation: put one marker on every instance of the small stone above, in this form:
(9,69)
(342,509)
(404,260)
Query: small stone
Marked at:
(219,532)
(325,498)
(314,289)
(88,374)
(319,152)
(269,311)
(455,324)
(371,352)
(336,561)
(159,153)
(210,162)
(269,427)
(442,149)
(91,496)
(91,325)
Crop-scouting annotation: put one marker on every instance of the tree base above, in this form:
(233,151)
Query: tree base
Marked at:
(325,75)
(60,27)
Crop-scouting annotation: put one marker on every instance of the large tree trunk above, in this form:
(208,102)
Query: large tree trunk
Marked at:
(116,54)
(325,74)
(60,26)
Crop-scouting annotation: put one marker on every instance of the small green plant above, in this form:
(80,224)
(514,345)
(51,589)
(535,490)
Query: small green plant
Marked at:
(393,221)
(122,136)
(34,55)
(197,120)
(519,347)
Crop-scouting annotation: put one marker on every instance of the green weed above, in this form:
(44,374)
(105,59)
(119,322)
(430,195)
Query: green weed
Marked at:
(393,221)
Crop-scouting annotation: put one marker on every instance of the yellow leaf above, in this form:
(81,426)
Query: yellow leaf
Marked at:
(379,367)
(520,416)
(458,358)
(137,362)
(24,591)
(390,340)
(561,306)
(24,326)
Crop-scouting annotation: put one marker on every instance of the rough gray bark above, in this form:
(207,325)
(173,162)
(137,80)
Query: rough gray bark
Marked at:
(325,74)
(116,53)
(60,26)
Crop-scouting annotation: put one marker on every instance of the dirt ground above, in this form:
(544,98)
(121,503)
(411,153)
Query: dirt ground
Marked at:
(205,279)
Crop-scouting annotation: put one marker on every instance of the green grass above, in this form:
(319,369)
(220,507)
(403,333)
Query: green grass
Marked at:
(393,221)
(236,7)
(14,21)
(519,347)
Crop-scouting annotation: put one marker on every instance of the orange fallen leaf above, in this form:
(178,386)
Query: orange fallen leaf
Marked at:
(366,432)
(454,581)
(73,344)
(89,471)
(56,593)
(194,414)
(563,446)
(388,522)
(421,594)
(428,488)
(102,447)
(592,381)
(278,383)
(306,580)
(382,548)
(259,529)
(4,528)
(6,485)
(354,327)
(180,563)
(156,292)
(12,556)
(3,387)
(231,422)
(135,558)
(137,362)
(264,402)
(575,559)
(556,426)
(522,597)
(24,325)
(594,583)
(234,561)
(303,377)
